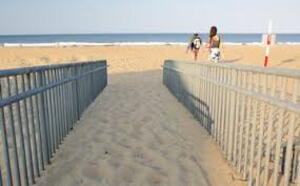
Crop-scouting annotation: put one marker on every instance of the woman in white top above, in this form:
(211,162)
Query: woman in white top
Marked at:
(214,43)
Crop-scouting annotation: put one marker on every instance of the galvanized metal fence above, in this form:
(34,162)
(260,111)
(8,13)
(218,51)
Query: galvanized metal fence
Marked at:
(39,106)
(253,113)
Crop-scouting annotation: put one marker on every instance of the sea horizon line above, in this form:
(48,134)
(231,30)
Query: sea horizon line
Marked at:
(140,33)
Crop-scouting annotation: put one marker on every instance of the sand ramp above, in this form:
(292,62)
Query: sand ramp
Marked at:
(136,133)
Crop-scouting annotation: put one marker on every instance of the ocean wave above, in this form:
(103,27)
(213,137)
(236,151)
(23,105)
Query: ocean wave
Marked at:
(78,44)
(288,43)
(72,44)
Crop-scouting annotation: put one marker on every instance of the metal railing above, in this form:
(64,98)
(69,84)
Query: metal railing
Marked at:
(253,113)
(39,106)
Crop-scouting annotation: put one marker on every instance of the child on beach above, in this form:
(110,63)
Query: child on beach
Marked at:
(194,45)
(213,45)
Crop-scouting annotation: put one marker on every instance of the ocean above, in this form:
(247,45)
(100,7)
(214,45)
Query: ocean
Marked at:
(137,38)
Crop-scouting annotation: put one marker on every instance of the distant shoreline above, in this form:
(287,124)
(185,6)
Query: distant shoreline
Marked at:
(87,44)
(135,39)
(163,33)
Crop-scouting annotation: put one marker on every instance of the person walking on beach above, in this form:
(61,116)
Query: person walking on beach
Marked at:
(213,44)
(194,45)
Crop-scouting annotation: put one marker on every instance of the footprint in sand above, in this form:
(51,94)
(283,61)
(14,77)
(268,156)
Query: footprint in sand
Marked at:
(146,160)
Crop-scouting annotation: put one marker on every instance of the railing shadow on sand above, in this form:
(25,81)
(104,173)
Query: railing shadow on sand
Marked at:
(197,107)
(253,114)
(39,106)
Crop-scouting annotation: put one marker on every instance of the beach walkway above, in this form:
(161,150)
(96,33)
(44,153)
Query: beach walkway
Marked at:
(136,133)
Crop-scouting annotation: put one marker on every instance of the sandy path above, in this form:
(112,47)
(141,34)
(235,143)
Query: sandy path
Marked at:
(136,133)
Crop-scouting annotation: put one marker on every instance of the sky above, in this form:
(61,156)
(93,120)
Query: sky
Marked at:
(147,16)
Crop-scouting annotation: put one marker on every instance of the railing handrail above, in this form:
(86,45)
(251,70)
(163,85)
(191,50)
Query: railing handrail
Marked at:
(12,99)
(39,68)
(253,115)
(39,106)
(286,72)
(270,100)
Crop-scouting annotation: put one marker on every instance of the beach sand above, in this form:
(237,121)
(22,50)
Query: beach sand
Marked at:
(141,58)
(136,133)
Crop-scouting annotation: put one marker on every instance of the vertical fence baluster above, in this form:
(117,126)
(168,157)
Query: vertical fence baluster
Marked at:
(22,152)
(38,115)
(269,134)
(44,119)
(290,140)
(6,153)
(76,118)
(27,123)
(47,109)
(55,111)
(51,114)
(62,103)
(279,131)
(247,127)
(261,132)
(77,93)
(242,123)
(226,114)
(33,126)
(218,118)
(65,108)
(68,85)
(14,140)
(208,102)
(74,97)
(214,103)
(60,106)
(232,109)
(221,119)
(253,134)
(206,98)
(236,118)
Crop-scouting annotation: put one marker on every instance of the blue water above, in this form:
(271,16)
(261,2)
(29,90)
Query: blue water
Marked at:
(110,38)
